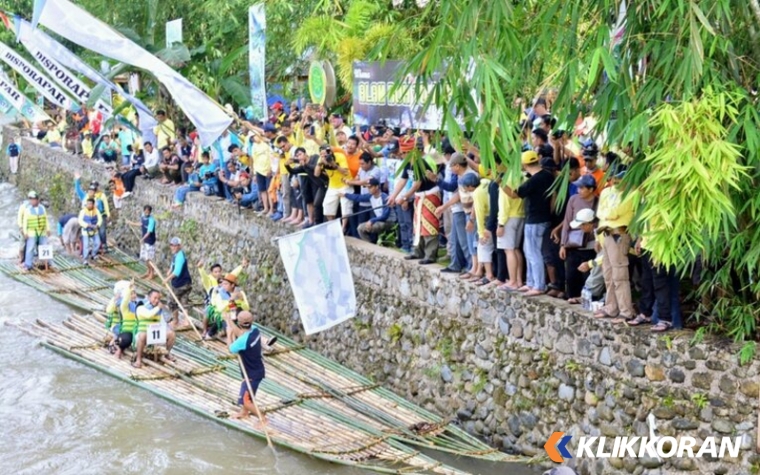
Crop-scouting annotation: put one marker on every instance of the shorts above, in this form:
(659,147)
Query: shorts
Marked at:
(513,234)
(485,252)
(182,294)
(262,182)
(244,390)
(147,252)
(550,251)
(332,199)
(307,189)
(124,340)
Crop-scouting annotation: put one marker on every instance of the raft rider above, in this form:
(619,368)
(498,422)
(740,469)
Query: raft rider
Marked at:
(122,320)
(101,203)
(248,346)
(181,281)
(35,227)
(148,314)
(226,302)
(211,282)
(147,227)
(90,220)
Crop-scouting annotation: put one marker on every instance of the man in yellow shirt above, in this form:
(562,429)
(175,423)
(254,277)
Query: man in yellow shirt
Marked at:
(332,163)
(481,208)
(509,236)
(261,156)
(165,131)
(615,212)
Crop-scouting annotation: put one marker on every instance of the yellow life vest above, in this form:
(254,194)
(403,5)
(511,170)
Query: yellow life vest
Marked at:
(35,220)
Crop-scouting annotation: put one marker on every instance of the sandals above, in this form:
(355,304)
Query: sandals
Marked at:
(466,276)
(661,326)
(534,293)
(483,281)
(602,314)
(640,319)
(574,301)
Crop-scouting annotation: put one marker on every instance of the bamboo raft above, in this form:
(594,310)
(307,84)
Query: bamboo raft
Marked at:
(313,405)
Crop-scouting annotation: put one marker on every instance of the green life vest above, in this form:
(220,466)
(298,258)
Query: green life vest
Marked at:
(36,220)
(144,322)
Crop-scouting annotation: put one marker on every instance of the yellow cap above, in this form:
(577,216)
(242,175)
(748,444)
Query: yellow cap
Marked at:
(529,157)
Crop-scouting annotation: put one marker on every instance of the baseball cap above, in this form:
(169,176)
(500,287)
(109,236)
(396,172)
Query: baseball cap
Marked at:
(470,180)
(586,181)
(618,171)
(374,182)
(591,151)
(583,216)
(393,146)
(175,241)
(93,187)
(269,127)
(32,195)
(529,157)
(245,175)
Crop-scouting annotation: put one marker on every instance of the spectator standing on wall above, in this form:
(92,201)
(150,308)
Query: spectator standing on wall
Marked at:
(13,152)
(535,192)
(165,132)
(615,213)
(576,245)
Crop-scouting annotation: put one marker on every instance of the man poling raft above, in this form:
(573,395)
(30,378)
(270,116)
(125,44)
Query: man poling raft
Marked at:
(248,347)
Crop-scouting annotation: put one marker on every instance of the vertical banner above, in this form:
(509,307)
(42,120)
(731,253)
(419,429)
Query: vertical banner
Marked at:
(316,261)
(257,25)
(36,79)
(173,32)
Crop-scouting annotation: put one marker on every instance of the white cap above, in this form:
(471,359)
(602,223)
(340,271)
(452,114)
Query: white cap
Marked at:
(175,241)
(583,216)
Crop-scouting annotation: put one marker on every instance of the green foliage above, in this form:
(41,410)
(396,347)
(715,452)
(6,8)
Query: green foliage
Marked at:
(747,352)
(189,228)
(700,400)
(58,193)
(395,332)
(433,371)
(699,336)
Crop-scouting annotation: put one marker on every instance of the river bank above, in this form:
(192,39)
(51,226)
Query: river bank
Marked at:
(511,370)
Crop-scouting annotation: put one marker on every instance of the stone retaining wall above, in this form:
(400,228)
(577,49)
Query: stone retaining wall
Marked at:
(512,370)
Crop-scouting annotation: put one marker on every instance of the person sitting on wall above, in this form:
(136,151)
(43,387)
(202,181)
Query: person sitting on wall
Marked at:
(382,216)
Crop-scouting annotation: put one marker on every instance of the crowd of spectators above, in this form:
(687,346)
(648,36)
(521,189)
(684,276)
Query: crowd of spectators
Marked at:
(416,191)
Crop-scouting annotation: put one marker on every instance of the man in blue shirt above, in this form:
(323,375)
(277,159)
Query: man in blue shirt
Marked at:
(181,281)
(13,152)
(208,176)
(381,216)
(248,345)
(147,227)
(108,151)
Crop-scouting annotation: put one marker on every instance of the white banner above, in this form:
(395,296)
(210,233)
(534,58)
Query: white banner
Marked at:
(34,39)
(316,261)
(20,102)
(68,80)
(36,79)
(75,24)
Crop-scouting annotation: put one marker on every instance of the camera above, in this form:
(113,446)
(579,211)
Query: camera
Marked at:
(208,175)
(238,190)
(558,134)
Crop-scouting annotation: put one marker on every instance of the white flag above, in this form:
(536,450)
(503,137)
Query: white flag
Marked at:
(75,24)
(36,79)
(37,40)
(316,261)
(20,102)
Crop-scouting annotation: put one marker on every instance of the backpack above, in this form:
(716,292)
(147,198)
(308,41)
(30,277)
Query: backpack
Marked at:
(13,150)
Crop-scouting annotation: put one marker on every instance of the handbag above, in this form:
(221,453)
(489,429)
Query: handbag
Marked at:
(576,238)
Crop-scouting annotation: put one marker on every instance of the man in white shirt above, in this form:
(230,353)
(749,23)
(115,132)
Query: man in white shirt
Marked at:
(152,159)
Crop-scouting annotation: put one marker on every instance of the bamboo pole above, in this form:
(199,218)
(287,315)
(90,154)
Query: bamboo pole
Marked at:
(255,406)
(179,304)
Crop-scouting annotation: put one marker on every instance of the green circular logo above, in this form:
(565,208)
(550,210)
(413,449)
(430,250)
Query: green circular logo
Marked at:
(317,83)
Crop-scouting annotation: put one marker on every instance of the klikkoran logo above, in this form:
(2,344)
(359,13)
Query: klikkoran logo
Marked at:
(638,447)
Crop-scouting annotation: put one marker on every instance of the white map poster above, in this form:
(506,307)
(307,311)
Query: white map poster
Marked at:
(316,261)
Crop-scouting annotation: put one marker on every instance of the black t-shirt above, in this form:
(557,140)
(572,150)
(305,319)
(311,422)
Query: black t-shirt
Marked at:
(424,166)
(535,192)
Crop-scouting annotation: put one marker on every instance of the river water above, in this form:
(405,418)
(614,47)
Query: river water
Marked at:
(60,417)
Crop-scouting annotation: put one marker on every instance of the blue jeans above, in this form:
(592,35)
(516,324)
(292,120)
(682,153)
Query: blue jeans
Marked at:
(460,255)
(182,191)
(102,234)
(472,238)
(406,226)
(90,245)
(31,247)
(534,237)
(674,283)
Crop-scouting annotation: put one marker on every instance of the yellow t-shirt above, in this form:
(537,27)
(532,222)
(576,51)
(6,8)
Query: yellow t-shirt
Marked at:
(165,133)
(335,176)
(261,155)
